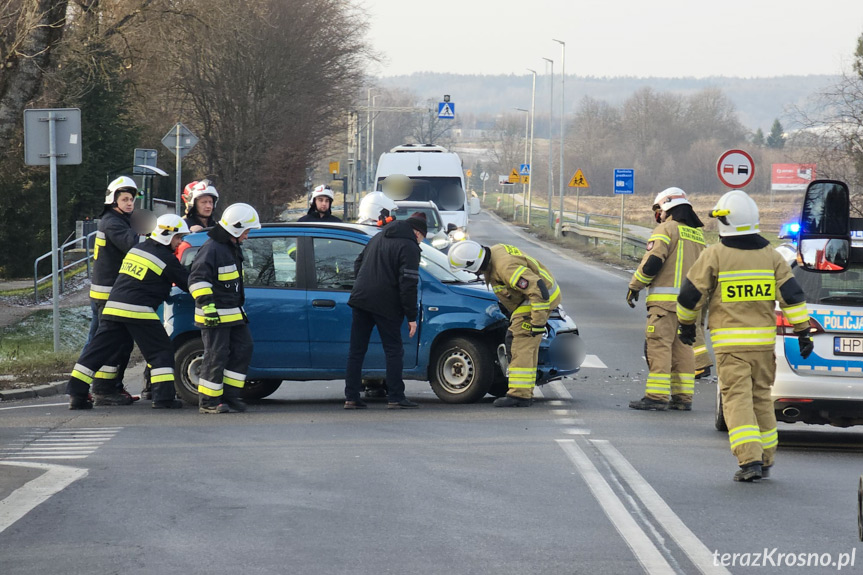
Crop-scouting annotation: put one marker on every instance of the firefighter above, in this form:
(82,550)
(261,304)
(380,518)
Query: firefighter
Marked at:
(528,292)
(144,282)
(114,238)
(377,209)
(671,250)
(741,277)
(201,199)
(320,206)
(216,283)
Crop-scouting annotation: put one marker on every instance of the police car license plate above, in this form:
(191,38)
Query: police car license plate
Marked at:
(848,345)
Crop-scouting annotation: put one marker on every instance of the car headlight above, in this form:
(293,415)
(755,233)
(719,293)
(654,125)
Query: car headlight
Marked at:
(440,243)
(458,235)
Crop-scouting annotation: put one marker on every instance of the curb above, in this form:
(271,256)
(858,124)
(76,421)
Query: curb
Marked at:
(53,388)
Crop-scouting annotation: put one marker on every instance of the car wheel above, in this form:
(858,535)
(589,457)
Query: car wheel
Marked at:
(187,367)
(259,388)
(461,370)
(718,414)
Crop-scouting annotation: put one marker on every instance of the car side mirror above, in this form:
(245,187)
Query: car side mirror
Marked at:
(475,206)
(824,242)
(451,227)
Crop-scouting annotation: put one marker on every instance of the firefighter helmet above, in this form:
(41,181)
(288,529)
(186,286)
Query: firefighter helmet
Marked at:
(195,190)
(373,206)
(668,198)
(321,190)
(167,226)
(121,184)
(467,255)
(736,213)
(239,218)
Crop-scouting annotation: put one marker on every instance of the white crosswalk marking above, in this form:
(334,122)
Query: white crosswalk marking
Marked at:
(59,444)
(593,361)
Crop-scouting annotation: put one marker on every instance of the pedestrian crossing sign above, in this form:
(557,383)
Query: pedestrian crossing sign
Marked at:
(578,180)
(446,110)
(525,179)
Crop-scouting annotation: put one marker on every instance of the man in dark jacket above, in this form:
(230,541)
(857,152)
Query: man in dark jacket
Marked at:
(216,283)
(320,206)
(144,282)
(385,293)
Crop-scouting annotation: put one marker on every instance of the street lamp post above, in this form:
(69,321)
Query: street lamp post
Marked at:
(562,112)
(550,143)
(523,185)
(372,185)
(530,157)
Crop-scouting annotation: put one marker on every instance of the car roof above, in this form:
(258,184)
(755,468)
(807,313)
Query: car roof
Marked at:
(198,238)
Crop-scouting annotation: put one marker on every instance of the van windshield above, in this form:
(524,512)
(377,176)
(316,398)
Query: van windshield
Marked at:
(445,192)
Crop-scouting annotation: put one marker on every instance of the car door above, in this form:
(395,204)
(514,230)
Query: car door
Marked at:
(276,302)
(330,316)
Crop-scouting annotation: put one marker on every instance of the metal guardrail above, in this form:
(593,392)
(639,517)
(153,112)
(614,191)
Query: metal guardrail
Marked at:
(603,234)
(65,267)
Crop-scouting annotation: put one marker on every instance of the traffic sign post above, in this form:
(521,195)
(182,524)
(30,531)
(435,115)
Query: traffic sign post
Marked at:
(735,168)
(179,140)
(624,184)
(52,136)
(578,181)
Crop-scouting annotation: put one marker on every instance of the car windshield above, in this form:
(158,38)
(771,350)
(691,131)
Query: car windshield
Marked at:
(844,288)
(431,214)
(436,263)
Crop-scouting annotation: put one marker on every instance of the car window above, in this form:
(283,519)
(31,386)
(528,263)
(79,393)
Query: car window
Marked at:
(844,288)
(334,263)
(270,262)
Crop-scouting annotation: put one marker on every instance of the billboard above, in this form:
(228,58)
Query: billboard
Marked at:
(791,177)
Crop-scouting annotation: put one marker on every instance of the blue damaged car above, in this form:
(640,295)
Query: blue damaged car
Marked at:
(298,278)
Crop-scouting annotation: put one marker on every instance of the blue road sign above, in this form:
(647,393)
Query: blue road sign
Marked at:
(524,170)
(446,110)
(624,181)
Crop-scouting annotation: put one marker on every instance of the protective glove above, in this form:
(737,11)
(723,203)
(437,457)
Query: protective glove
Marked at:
(631,297)
(686,333)
(806,345)
(211,316)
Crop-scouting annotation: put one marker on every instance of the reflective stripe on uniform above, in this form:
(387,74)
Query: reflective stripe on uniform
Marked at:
(522,377)
(744,434)
(199,289)
(663,293)
(683,383)
(142,258)
(209,388)
(100,242)
(699,349)
(107,372)
(659,237)
(524,308)
(686,314)
(643,278)
(120,309)
(83,373)
(513,279)
(658,383)
(161,374)
(228,273)
(233,378)
(728,336)
(796,313)
(769,438)
(100,292)
(226,315)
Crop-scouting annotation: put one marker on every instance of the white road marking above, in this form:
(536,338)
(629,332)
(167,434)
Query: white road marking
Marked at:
(21,501)
(61,444)
(560,390)
(685,539)
(537,392)
(645,551)
(576,431)
(593,361)
(32,406)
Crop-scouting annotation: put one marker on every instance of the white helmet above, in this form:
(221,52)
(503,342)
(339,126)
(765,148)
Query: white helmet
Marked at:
(321,190)
(372,206)
(466,255)
(239,218)
(167,226)
(668,198)
(737,214)
(124,184)
(203,188)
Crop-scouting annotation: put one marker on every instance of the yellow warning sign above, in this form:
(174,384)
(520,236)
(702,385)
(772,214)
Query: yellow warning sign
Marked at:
(525,179)
(468,173)
(514,178)
(334,167)
(578,180)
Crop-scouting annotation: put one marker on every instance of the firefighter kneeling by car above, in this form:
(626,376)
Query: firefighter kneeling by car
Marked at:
(528,292)
(742,276)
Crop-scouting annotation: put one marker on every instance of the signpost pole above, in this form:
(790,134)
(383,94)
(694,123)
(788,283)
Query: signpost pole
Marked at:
(622,198)
(55,248)
(178,164)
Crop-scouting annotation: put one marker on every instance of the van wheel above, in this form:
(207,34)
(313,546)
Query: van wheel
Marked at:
(187,369)
(461,370)
(718,413)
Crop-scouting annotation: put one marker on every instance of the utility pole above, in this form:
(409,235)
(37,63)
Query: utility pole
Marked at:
(550,144)
(561,185)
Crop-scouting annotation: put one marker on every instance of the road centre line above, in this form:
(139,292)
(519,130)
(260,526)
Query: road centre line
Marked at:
(644,549)
(21,501)
(682,535)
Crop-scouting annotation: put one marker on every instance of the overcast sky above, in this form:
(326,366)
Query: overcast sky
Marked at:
(666,38)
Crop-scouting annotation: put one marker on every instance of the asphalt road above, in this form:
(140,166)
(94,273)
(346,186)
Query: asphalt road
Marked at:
(578,483)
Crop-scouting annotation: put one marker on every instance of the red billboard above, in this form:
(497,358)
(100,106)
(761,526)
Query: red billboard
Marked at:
(791,177)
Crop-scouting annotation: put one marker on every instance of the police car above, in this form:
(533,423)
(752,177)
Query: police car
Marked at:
(827,387)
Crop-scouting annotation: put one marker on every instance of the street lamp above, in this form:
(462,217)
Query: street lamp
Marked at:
(368,133)
(550,142)
(524,186)
(530,157)
(562,112)
(373,185)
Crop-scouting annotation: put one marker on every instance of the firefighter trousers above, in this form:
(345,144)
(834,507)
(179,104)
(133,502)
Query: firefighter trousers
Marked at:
(154,343)
(671,364)
(227,354)
(524,348)
(702,356)
(110,376)
(745,379)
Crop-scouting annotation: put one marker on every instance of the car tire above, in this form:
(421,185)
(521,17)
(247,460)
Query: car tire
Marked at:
(259,388)
(718,413)
(187,366)
(461,370)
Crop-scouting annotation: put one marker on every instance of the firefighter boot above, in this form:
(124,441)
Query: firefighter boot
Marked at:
(703,373)
(80,402)
(510,401)
(114,398)
(207,404)
(681,402)
(645,403)
(749,472)
(232,398)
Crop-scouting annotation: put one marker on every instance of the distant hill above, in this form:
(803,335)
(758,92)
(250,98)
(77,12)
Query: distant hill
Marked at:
(758,100)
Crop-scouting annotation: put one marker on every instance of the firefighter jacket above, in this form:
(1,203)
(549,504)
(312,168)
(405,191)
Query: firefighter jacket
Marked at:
(387,272)
(114,238)
(742,286)
(144,282)
(217,278)
(192,219)
(671,251)
(521,283)
(313,216)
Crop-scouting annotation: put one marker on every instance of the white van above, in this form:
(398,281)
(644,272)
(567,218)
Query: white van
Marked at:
(436,175)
